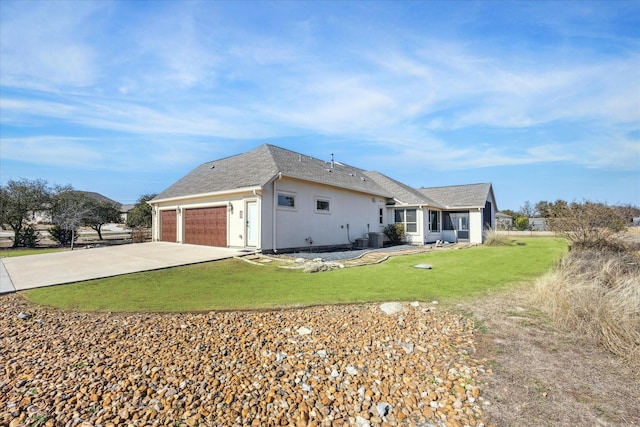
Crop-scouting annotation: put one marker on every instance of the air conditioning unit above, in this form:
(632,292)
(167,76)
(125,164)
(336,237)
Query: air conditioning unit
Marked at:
(376,240)
(362,243)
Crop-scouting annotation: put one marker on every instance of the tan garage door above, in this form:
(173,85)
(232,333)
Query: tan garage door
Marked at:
(206,226)
(168,226)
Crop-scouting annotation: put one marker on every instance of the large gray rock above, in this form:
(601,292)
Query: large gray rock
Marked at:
(392,308)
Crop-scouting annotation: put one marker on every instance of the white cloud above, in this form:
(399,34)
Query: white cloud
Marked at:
(188,71)
(53,150)
(43,45)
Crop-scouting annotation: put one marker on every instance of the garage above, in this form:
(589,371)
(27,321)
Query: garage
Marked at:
(168,225)
(206,226)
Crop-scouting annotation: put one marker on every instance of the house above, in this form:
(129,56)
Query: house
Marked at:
(273,199)
(538,224)
(504,221)
(125,211)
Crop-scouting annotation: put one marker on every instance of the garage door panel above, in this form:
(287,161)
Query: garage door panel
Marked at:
(206,226)
(168,226)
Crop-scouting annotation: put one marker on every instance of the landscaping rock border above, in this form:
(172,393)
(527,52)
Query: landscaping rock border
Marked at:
(322,366)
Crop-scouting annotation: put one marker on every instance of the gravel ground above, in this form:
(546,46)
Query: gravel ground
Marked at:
(322,366)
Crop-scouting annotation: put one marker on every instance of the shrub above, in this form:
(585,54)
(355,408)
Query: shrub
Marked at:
(521,223)
(597,293)
(28,237)
(140,234)
(395,233)
(589,225)
(492,238)
(62,236)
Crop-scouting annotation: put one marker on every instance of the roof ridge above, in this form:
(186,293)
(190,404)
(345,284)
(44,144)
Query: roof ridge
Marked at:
(456,185)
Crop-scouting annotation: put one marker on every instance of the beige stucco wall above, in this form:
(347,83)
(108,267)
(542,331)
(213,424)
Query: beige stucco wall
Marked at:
(293,226)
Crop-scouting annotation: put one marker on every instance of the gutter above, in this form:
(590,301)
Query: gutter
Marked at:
(214,193)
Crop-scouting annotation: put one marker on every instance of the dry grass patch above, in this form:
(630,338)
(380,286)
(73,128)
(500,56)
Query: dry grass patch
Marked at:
(493,238)
(597,293)
(545,374)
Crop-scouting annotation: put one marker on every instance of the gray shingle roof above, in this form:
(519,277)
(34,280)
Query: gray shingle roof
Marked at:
(402,192)
(459,196)
(256,168)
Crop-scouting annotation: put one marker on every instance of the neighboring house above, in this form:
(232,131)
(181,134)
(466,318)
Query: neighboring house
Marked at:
(538,224)
(273,199)
(504,221)
(125,211)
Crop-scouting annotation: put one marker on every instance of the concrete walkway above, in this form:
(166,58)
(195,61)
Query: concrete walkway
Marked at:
(35,271)
(6,286)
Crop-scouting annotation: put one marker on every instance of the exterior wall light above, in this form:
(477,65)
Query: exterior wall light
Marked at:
(230,207)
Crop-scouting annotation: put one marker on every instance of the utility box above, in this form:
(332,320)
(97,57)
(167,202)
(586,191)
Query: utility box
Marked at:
(376,240)
(362,243)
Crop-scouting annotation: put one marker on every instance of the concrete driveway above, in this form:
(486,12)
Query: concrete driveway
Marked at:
(35,271)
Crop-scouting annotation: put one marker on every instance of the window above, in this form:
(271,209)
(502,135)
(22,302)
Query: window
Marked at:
(434,221)
(322,205)
(380,216)
(286,200)
(408,218)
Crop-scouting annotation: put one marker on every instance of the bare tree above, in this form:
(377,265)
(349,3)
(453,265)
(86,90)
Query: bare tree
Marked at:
(588,224)
(528,210)
(69,209)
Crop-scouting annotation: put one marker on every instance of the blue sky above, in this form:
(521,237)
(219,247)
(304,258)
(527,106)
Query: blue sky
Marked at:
(540,98)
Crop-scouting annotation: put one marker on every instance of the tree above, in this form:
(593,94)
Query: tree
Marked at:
(19,201)
(527,210)
(551,209)
(512,214)
(100,212)
(141,214)
(589,224)
(69,209)
(628,212)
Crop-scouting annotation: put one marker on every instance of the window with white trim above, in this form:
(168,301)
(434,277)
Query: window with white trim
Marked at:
(408,218)
(323,205)
(286,200)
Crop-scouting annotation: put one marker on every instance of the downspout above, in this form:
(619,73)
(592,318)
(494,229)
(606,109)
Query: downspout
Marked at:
(259,199)
(275,208)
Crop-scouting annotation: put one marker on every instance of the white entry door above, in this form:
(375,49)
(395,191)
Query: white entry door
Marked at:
(252,224)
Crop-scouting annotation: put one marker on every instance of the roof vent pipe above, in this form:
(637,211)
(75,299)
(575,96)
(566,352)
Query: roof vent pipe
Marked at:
(331,160)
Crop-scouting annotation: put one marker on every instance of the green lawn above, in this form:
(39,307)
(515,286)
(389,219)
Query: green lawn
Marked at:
(235,284)
(5,253)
